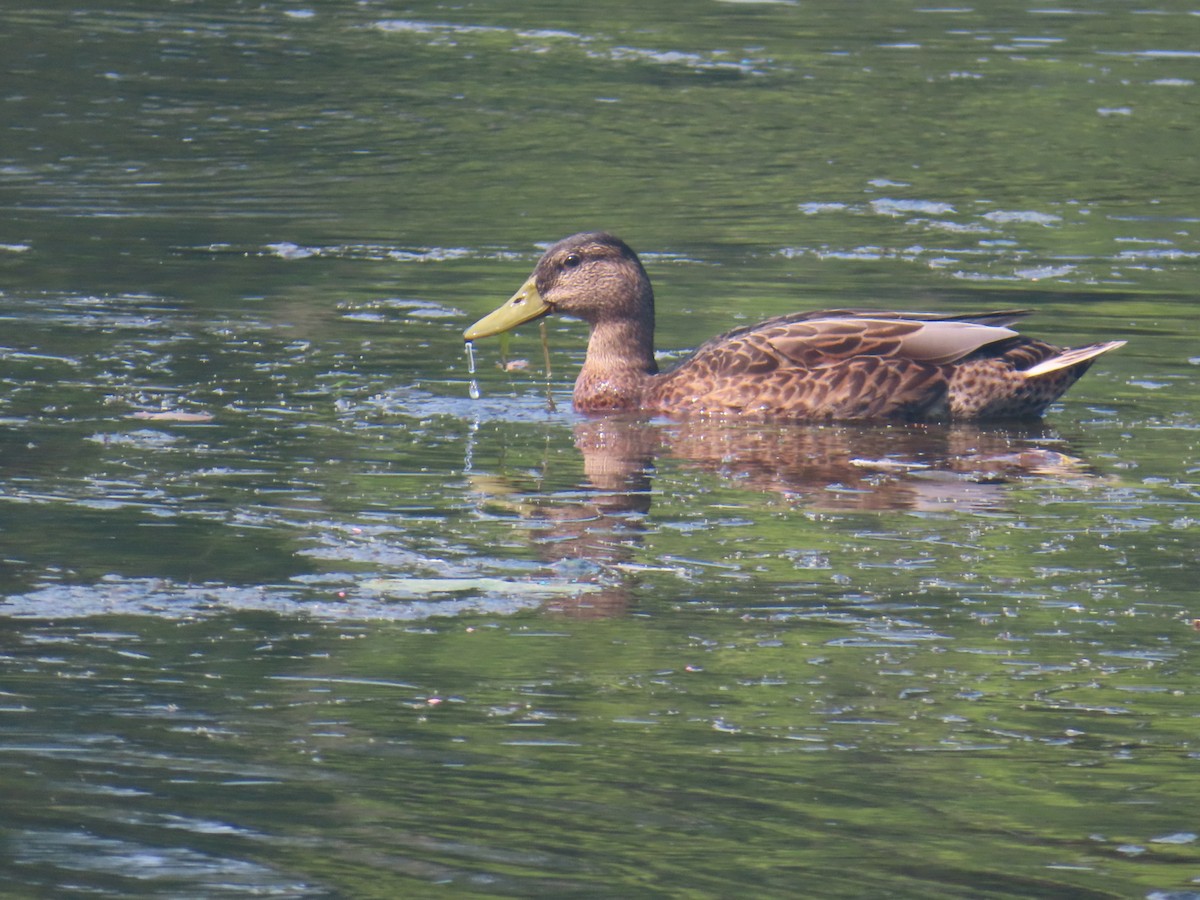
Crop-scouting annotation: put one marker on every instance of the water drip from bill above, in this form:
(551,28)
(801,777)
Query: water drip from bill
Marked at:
(473,387)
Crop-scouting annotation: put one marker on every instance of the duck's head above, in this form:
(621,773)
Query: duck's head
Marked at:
(592,276)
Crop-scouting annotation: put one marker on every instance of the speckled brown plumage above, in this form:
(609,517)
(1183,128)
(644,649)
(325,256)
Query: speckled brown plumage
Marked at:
(814,366)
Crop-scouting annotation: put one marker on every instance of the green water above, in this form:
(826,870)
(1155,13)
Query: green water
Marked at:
(284,612)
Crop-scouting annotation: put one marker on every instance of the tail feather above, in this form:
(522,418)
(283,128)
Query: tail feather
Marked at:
(1070,358)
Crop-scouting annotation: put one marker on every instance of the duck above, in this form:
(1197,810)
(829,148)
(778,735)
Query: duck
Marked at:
(843,365)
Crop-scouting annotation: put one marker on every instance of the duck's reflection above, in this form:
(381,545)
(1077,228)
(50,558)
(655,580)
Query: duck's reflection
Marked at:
(829,468)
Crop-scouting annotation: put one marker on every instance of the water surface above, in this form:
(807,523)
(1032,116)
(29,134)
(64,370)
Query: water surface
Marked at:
(284,611)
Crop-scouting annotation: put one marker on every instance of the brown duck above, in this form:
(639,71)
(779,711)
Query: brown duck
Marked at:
(812,366)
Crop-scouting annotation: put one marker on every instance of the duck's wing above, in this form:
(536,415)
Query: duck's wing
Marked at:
(995,317)
(832,326)
(838,365)
(819,343)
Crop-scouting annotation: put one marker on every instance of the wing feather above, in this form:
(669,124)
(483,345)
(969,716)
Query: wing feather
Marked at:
(840,364)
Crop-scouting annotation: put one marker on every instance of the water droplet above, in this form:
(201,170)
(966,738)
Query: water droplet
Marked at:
(473,387)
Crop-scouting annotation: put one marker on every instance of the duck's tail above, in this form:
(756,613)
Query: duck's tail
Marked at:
(1068,359)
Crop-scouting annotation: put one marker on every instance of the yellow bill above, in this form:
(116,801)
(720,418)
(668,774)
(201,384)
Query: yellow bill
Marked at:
(524,306)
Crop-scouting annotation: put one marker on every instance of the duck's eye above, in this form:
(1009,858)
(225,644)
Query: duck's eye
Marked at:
(572,261)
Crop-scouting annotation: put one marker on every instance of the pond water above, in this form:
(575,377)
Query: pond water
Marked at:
(284,611)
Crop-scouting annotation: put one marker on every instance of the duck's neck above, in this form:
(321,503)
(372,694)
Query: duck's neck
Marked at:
(619,363)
